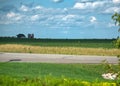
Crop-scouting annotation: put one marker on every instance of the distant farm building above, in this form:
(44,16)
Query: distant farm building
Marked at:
(21,36)
(30,35)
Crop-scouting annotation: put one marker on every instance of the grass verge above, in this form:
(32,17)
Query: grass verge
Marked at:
(87,72)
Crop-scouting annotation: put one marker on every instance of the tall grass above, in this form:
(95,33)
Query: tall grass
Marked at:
(58,50)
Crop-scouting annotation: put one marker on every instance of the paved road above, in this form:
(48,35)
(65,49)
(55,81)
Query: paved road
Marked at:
(53,58)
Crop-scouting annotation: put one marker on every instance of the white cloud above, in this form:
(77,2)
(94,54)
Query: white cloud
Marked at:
(116,1)
(65,10)
(14,16)
(61,16)
(93,19)
(104,6)
(38,7)
(84,0)
(98,4)
(34,17)
(112,10)
(24,8)
(79,6)
(88,5)
(57,1)
(11,14)
(69,17)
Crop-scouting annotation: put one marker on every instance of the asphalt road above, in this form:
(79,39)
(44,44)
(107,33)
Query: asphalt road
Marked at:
(55,58)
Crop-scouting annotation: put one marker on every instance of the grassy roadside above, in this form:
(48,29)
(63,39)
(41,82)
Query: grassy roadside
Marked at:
(58,50)
(51,81)
(83,72)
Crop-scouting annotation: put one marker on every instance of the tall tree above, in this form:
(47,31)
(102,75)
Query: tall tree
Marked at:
(116,18)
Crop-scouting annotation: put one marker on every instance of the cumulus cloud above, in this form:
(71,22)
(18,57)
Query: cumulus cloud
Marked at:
(24,8)
(69,17)
(58,1)
(14,16)
(11,17)
(61,17)
(11,14)
(38,7)
(93,19)
(65,10)
(116,1)
(103,6)
(83,14)
(79,6)
(88,5)
(112,10)
(34,17)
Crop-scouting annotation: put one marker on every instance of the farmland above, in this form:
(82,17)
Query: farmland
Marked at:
(64,74)
(86,43)
(102,47)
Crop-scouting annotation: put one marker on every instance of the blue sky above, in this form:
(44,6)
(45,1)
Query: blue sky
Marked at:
(69,19)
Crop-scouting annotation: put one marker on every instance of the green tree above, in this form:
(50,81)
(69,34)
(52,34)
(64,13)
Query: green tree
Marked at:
(116,18)
(110,67)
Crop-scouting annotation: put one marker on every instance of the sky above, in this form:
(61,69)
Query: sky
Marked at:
(59,19)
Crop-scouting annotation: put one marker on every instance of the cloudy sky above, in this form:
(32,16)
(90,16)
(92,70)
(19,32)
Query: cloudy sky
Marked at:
(59,18)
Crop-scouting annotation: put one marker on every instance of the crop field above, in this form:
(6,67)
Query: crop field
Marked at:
(85,43)
(101,47)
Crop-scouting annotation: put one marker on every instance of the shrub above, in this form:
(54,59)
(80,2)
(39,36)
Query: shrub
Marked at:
(117,43)
(112,71)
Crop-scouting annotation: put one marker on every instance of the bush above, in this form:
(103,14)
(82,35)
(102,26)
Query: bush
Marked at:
(50,81)
(117,43)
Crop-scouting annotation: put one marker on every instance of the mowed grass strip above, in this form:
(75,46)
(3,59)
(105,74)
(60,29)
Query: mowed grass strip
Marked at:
(87,72)
(58,50)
